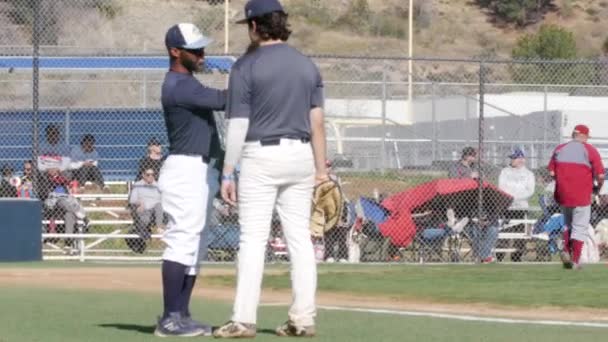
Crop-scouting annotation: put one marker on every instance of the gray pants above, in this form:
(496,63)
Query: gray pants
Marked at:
(577,220)
(72,208)
(144,218)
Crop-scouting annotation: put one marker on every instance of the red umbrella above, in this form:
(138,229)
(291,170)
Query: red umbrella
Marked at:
(438,195)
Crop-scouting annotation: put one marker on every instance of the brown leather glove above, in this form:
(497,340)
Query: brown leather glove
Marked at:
(327,206)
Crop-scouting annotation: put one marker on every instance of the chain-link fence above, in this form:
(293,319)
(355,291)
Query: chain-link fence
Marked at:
(424,165)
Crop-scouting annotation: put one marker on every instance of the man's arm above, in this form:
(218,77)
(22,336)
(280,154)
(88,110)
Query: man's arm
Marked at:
(454,170)
(75,159)
(552,163)
(238,112)
(235,139)
(95,159)
(134,197)
(317,130)
(317,139)
(597,165)
(530,185)
(193,95)
(503,183)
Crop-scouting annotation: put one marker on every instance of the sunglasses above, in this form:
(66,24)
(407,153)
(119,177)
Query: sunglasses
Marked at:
(196,52)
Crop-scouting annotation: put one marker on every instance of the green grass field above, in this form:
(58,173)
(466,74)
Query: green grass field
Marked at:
(30,315)
(34,313)
(513,285)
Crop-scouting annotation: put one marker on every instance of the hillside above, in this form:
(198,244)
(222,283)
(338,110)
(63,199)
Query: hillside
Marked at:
(452,28)
(444,28)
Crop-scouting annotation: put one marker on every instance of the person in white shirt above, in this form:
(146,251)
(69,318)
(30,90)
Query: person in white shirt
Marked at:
(85,161)
(518,181)
(53,154)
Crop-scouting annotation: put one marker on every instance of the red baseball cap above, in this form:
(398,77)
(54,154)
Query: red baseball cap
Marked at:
(581,129)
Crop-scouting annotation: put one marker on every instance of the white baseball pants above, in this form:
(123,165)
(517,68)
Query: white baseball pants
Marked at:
(281,175)
(213,179)
(184,194)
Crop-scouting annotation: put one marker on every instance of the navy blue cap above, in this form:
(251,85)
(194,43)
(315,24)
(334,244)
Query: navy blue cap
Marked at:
(186,36)
(257,8)
(517,153)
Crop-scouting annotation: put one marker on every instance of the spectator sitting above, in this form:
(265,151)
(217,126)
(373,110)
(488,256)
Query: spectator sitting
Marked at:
(464,167)
(483,233)
(53,189)
(84,162)
(336,239)
(145,204)
(153,160)
(53,153)
(7,186)
(26,188)
(517,181)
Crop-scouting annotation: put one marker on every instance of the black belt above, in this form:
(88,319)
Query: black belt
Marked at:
(206,159)
(277,141)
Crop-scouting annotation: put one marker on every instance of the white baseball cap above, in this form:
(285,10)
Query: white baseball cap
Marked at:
(186,36)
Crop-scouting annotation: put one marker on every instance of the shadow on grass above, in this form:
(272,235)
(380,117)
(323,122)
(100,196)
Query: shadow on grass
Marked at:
(149,329)
(267,332)
(144,329)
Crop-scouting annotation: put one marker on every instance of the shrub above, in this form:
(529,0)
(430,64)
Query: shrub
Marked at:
(520,12)
(551,42)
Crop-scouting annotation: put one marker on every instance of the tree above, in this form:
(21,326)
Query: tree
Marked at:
(520,12)
(550,43)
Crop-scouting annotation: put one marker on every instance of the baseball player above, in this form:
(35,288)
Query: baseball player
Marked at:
(575,165)
(276,130)
(185,175)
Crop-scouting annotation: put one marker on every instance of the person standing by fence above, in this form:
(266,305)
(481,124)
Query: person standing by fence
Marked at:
(518,181)
(575,165)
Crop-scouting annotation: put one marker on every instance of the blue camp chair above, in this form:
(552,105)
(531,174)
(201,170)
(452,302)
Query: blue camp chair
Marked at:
(373,211)
(550,223)
(376,245)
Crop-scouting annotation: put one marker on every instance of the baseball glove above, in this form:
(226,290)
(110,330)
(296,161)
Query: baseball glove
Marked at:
(327,205)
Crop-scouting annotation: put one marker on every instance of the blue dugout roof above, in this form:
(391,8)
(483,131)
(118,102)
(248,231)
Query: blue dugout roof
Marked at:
(220,63)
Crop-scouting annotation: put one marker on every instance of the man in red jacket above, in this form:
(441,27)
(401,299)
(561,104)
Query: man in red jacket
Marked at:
(575,165)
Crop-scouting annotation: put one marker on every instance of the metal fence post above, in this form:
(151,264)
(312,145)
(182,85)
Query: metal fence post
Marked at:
(226,26)
(383,139)
(480,149)
(545,119)
(36,79)
(82,246)
(145,91)
(434,120)
(467,137)
(67,123)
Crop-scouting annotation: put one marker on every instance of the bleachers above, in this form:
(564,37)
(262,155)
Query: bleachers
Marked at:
(121,135)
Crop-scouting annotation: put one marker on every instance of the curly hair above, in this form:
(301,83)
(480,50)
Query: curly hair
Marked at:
(272,26)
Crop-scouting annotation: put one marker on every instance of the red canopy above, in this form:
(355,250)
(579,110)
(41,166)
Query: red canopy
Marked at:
(461,194)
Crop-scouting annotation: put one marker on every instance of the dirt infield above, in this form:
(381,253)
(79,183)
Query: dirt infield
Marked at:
(147,280)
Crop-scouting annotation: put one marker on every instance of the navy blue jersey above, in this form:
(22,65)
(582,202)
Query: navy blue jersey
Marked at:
(275,87)
(188,107)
